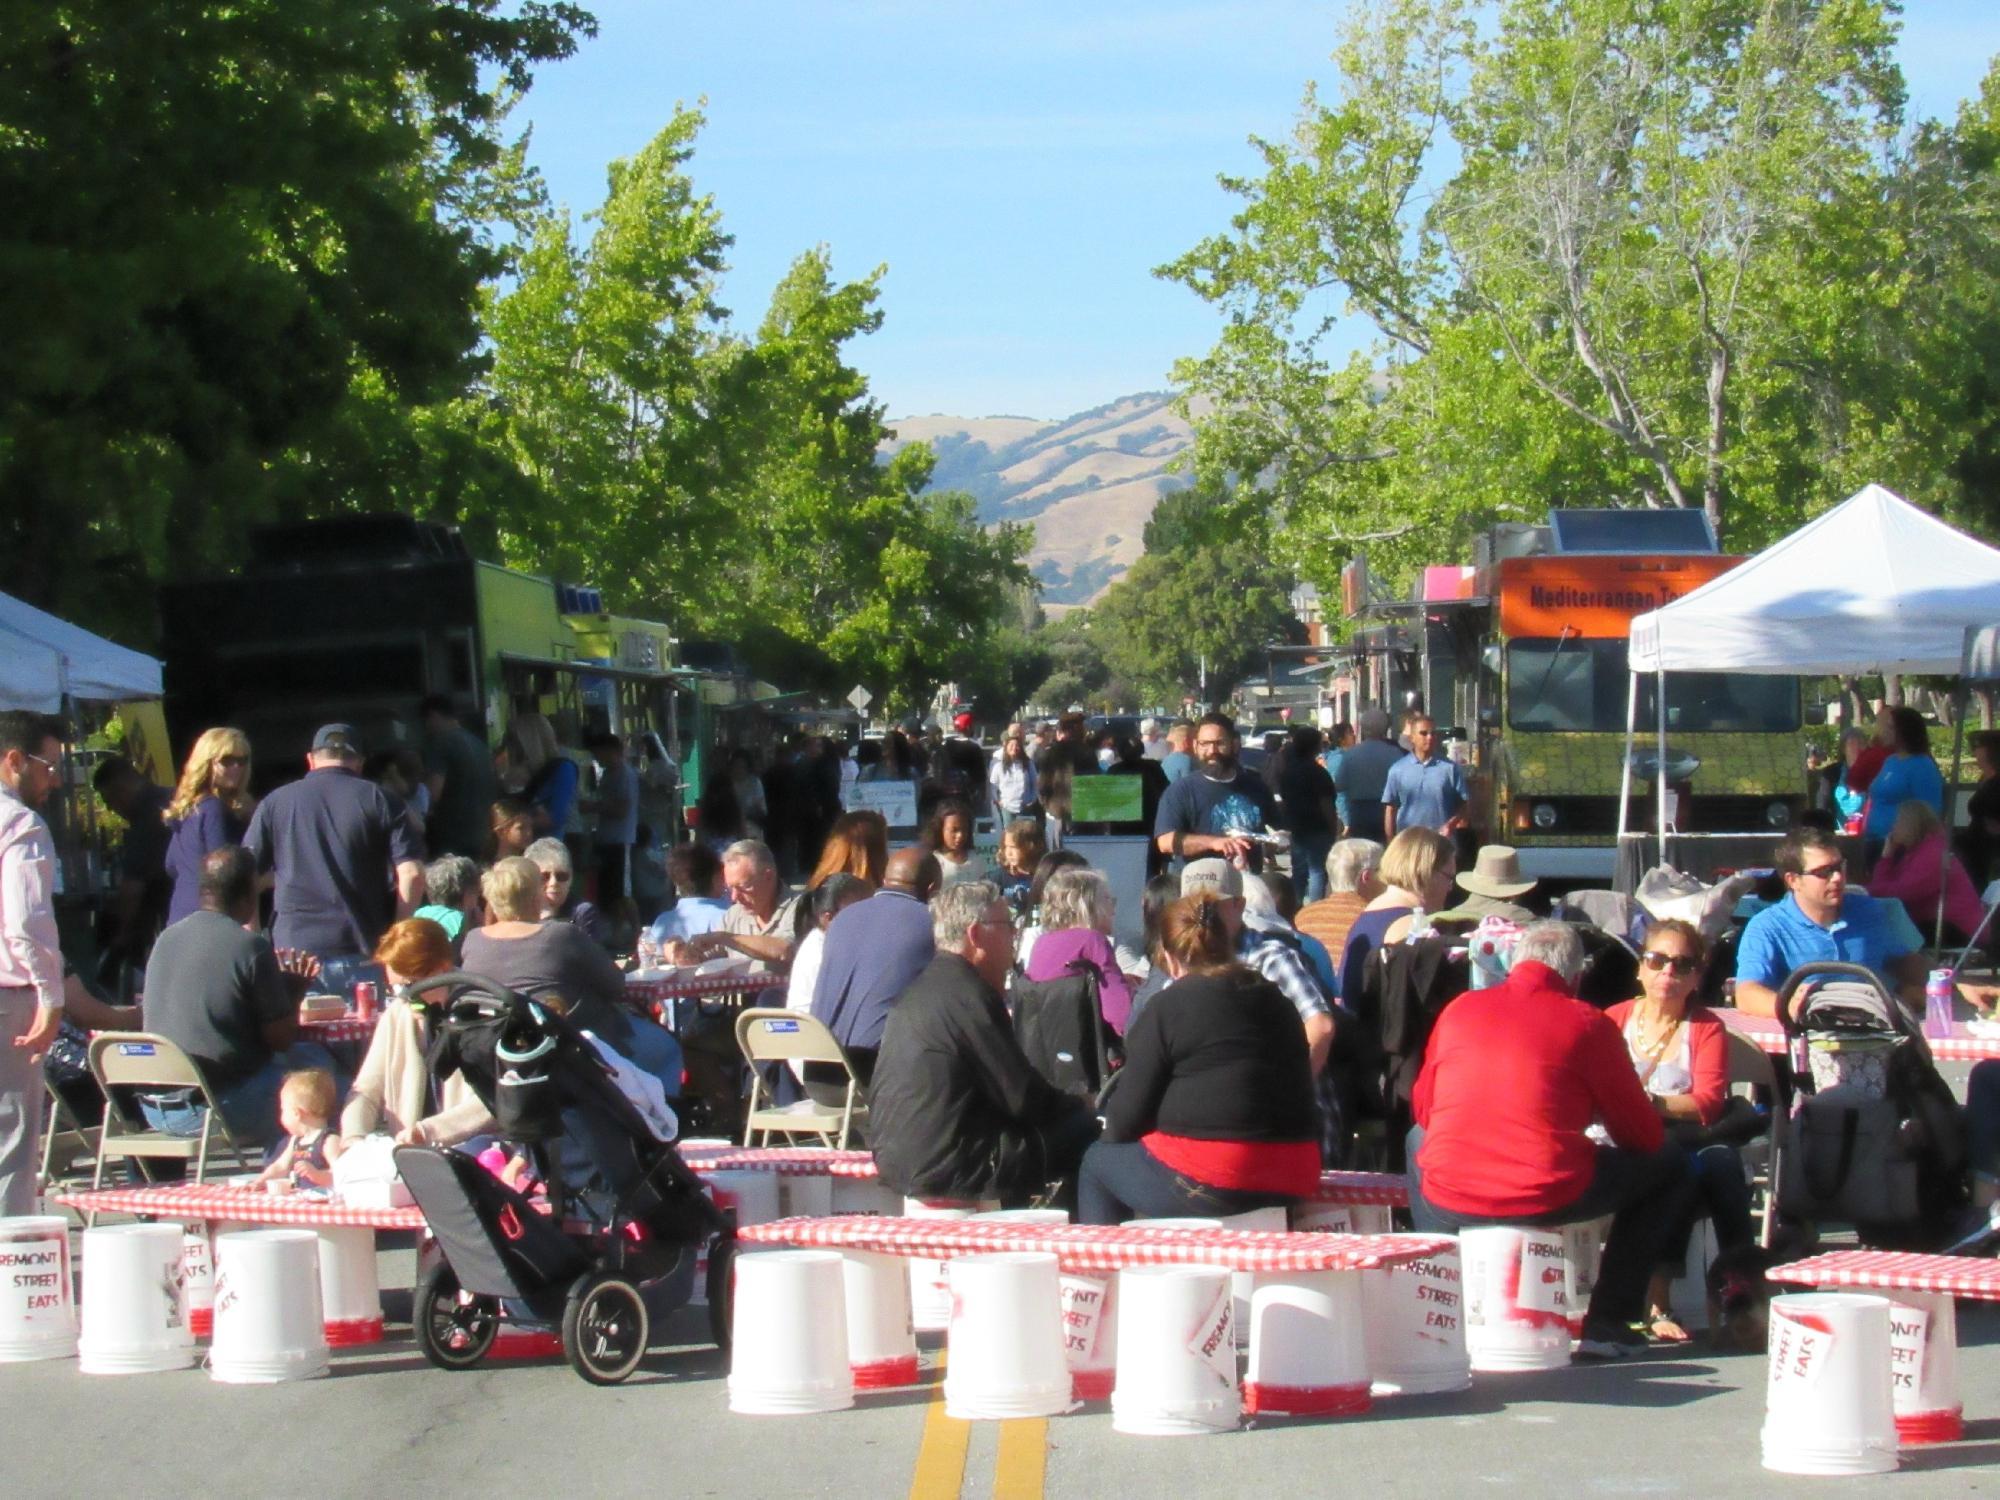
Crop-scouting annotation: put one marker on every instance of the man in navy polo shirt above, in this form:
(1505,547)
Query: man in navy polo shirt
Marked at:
(1822,921)
(1424,789)
(330,842)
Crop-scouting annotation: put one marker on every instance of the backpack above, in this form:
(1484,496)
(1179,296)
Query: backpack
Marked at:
(1060,1026)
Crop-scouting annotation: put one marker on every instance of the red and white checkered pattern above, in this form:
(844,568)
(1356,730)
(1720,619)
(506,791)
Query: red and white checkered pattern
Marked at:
(1382,1189)
(702,987)
(1094,1247)
(1954,1275)
(1770,1036)
(786,1161)
(339,1029)
(216,1203)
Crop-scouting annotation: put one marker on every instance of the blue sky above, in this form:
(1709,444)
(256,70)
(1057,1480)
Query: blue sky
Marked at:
(1019,167)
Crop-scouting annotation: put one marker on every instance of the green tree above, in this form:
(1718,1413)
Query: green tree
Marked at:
(1179,619)
(219,217)
(1610,251)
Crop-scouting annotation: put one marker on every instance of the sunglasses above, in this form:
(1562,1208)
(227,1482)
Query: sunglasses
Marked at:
(1827,872)
(47,765)
(1679,963)
(232,760)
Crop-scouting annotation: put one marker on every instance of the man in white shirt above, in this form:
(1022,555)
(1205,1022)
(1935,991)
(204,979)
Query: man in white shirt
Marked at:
(31,966)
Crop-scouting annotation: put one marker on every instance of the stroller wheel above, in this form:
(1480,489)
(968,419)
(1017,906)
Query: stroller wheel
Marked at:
(454,1328)
(721,1289)
(605,1328)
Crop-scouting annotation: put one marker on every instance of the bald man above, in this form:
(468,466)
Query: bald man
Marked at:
(874,949)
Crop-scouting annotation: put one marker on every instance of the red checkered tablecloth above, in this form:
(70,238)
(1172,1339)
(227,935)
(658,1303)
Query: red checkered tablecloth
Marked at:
(341,1029)
(1770,1036)
(1382,1189)
(216,1203)
(1095,1247)
(702,987)
(786,1161)
(1956,1275)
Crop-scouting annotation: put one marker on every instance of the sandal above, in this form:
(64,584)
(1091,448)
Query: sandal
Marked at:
(1663,1328)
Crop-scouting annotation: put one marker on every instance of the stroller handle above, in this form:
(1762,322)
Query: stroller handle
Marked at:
(1824,969)
(457,983)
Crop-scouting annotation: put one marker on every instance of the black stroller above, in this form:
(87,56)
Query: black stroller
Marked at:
(618,1250)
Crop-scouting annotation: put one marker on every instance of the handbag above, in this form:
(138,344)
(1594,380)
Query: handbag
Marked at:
(1740,1123)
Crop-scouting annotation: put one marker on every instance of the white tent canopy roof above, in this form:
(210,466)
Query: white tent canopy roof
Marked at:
(1874,585)
(42,659)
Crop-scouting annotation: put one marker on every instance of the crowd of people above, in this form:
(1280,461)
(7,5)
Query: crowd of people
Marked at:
(1300,998)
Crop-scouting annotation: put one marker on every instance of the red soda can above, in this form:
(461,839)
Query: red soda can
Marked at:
(364,1000)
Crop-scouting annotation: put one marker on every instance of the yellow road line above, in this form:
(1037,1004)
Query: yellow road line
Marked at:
(941,1455)
(1024,1450)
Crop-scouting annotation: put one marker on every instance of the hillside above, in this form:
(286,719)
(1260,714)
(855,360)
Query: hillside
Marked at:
(1088,483)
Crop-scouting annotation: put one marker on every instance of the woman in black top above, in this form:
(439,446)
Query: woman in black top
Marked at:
(1213,1112)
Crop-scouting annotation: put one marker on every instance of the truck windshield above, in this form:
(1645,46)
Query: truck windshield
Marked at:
(1579,685)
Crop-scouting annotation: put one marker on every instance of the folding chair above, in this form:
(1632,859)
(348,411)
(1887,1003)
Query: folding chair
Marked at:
(773,1036)
(1750,1064)
(141,1059)
(74,1140)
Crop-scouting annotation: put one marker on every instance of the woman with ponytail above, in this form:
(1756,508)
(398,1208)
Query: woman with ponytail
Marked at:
(1213,1112)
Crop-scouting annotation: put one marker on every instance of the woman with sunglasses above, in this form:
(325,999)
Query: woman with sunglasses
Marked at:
(560,902)
(210,810)
(1681,1053)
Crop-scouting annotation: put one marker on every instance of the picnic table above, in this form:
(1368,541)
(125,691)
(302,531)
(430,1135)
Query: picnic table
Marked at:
(336,1030)
(1960,1046)
(1897,1270)
(1103,1247)
(663,998)
(346,1233)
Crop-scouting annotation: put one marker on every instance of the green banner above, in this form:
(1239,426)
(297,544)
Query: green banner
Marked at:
(1106,799)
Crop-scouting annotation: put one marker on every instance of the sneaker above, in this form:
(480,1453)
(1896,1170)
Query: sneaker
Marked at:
(1605,1340)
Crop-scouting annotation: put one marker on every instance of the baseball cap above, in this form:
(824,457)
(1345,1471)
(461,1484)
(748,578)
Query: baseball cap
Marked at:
(1212,877)
(337,739)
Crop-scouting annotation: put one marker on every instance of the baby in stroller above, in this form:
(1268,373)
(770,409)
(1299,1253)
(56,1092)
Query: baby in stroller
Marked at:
(612,1249)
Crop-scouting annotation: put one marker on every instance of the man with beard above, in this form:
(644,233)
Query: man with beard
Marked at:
(1220,809)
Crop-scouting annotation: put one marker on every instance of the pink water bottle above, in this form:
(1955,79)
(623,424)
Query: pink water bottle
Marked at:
(1937,1003)
(364,1000)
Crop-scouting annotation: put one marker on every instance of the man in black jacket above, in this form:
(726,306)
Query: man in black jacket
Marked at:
(955,1110)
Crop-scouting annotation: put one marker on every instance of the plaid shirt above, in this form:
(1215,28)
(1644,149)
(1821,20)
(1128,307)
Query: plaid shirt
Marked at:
(1286,967)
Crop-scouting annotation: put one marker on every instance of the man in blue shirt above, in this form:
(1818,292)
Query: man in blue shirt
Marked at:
(1221,809)
(1364,772)
(699,905)
(1822,921)
(874,950)
(1424,789)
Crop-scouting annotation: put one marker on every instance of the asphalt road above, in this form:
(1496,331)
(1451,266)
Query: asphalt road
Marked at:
(387,1424)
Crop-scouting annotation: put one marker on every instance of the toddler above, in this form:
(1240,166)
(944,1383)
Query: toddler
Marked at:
(305,1104)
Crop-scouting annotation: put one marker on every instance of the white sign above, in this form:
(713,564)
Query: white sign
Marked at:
(896,801)
(1799,1348)
(1909,1343)
(860,698)
(1083,1300)
(1213,1341)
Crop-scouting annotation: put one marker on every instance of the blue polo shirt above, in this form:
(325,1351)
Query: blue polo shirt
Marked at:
(1871,931)
(1425,793)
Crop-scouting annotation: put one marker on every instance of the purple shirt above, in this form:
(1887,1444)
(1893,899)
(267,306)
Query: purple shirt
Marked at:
(1055,952)
(209,827)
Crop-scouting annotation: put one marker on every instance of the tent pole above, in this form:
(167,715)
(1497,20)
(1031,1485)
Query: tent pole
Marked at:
(1660,792)
(1625,771)
(1950,806)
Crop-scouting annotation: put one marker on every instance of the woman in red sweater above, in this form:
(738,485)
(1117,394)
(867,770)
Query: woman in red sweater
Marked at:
(1681,1053)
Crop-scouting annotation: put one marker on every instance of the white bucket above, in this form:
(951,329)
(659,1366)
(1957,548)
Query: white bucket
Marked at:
(1516,1298)
(37,1299)
(1006,1338)
(1923,1363)
(753,1197)
(1308,1351)
(1176,1352)
(1414,1314)
(788,1351)
(134,1310)
(1583,1253)
(198,1278)
(1089,1313)
(1271,1220)
(1827,1402)
(269,1325)
(930,1286)
(349,1295)
(881,1339)
(864,1195)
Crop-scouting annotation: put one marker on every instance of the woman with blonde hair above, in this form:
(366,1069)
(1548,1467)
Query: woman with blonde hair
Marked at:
(210,810)
(392,1092)
(1417,872)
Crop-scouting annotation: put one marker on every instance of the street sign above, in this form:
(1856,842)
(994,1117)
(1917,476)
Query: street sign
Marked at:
(861,698)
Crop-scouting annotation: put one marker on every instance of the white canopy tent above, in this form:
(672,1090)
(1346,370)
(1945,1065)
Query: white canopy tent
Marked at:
(1874,585)
(44,660)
